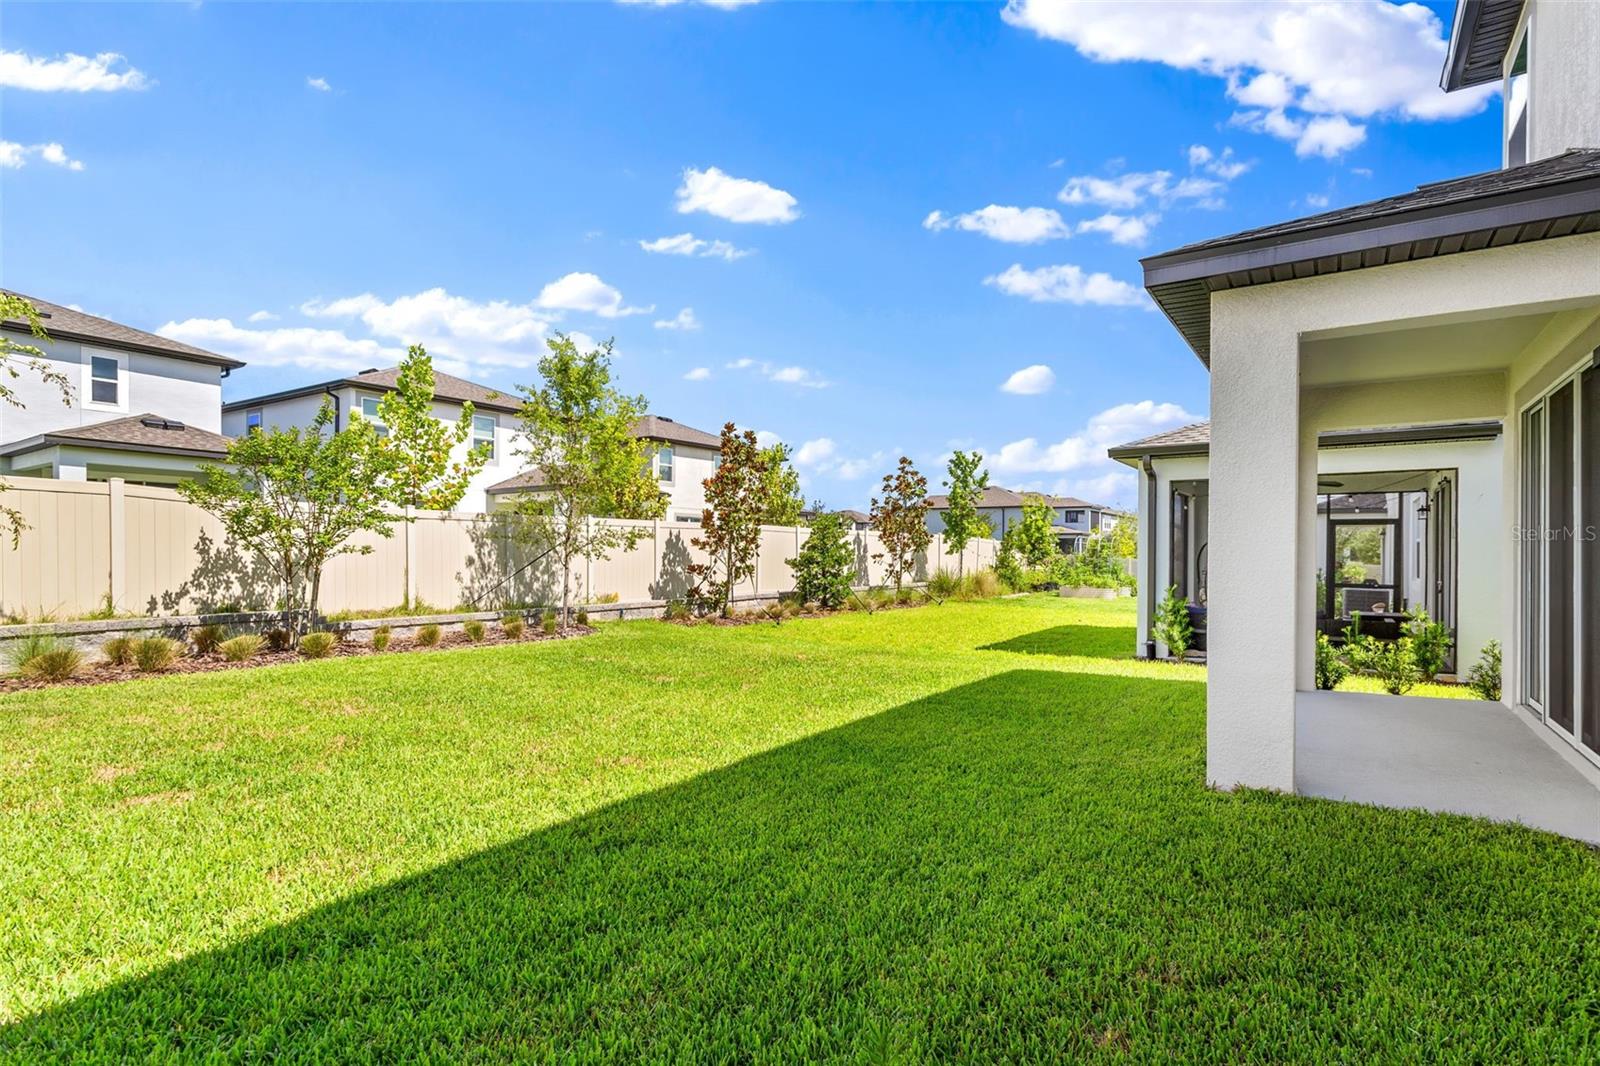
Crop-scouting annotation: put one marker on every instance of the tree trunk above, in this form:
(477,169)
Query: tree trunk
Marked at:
(311,603)
(727,588)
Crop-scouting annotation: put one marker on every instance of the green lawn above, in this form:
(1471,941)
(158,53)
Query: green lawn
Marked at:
(972,832)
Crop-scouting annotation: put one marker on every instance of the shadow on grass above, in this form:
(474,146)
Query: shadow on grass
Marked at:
(1092,642)
(1025,867)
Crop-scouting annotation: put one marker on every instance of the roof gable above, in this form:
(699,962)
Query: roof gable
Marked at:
(66,324)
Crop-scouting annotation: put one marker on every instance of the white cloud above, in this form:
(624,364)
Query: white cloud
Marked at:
(319,84)
(1132,189)
(699,373)
(682,320)
(815,452)
(1083,454)
(1316,199)
(105,72)
(1066,283)
(302,346)
(823,457)
(582,291)
(1222,164)
(262,316)
(854,469)
(1320,58)
(735,199)
(14,156)
(784,375)
(468,333)
(1328,136)
(1122,229)
(689,244)
(1030,381)
(1014,225)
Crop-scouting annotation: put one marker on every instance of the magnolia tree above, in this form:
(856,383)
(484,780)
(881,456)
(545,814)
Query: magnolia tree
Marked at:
(14,360)
(296,497)
(737,501)
(900,518)
(966,479)
(578,434)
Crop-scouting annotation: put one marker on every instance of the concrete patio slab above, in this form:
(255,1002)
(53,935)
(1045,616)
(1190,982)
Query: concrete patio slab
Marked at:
(1458,756)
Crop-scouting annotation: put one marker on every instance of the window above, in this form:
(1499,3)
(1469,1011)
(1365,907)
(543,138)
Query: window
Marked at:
(1074,517)
(664,463)
(483,434)
(369,411)
(252,421)
(1516,94)
(105,381)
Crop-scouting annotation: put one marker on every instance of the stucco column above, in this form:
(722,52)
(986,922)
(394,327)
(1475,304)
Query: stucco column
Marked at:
(1255,531)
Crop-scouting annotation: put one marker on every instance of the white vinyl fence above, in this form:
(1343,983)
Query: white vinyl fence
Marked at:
(150,552)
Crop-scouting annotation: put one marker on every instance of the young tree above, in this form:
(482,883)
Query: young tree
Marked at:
(14,359)
(418,445)
(825,564)
(1036,537)
(784,501)
(1123,539)
(900,518)
(579,434)
(736,502)
(966,481)
(296,497)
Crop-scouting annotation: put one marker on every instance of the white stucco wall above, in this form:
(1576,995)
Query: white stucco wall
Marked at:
(1564,76)
(173,388)
(686,493)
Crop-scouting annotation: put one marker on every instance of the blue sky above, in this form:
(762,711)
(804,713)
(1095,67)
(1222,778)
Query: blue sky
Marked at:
(311,187)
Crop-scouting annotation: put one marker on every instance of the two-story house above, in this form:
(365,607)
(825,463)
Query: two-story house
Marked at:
(1074,520)
(138,406)
(494,417)
(684,457)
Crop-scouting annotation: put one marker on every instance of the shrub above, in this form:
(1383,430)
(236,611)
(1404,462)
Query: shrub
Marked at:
(241,648)
(677,611)
(1430,642)
(118,650)
(981,585)
(512,628)
(316,645)
(549,622)
(428,635)
(1331,669)
(1394,664)
(825,564)
(277,639)
(1358,647)
(154,654)
(1007,564)
(207,639)
(943,584)
(474,630)
(1172,626)
(46,658)
(582,617)
(606,597)
(1484,677)
(381,637)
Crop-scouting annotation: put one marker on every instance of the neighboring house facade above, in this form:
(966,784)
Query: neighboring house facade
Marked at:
(140,407)
(494,418)
(855,520)
(1074,520)
(683,459)
(1465,301)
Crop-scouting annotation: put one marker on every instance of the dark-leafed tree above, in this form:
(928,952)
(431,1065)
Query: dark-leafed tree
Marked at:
(737,499)
(900,518)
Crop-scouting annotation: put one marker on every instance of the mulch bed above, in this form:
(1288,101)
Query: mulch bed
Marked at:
(100,672)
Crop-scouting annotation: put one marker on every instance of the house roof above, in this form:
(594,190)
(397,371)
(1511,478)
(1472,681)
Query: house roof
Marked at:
(446,387)
(995,496)
(137,433)
(63,323)
(850,514)
(650,427)
(1555,197)
(1195,439)
(1479,39)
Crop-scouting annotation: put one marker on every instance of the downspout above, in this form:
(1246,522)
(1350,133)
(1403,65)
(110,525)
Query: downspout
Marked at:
(334,396)
(1149,582)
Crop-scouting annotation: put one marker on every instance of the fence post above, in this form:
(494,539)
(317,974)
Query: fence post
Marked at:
(411,554)
(119,542)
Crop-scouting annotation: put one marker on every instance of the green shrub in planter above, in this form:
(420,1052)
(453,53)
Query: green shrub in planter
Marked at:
(512,628)
(549,622)
(154,654)
(677,611)
(207,639)
(1484,677)
(381,637)
(1331,669)
(316,645)
(943,584)
(582,617)
(1430,642)
(474,630)
(428,635)
(1394,664)
(46,658)
(241,648)
(118,650)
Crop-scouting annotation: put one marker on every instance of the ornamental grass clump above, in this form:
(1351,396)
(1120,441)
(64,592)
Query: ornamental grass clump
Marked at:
(207,639)
(118,651)
(381,637)
(428,635)
(512,628)
(582,617)
(316,645)
(46,658)
(549,622)
(474,630)
(154,654)
(241,648)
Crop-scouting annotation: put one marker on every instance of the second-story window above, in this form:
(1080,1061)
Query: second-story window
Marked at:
(252,421)
(105,382)
(483,434)
(664,463)
(369,411)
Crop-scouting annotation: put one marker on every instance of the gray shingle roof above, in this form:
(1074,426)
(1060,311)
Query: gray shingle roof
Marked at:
(1549,198)
(67,324)
(650,427)
(446,387)
(1195,439)
(137,433)
(995,496)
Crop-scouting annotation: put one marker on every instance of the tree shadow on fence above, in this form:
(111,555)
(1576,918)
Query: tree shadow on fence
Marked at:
(1091,642)
(503,569)
(672,580)
(223,579)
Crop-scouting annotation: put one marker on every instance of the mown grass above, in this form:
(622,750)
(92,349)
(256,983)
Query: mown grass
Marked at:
(964,832)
